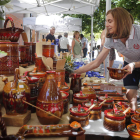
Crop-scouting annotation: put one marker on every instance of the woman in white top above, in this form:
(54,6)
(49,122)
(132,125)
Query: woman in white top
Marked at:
(123,36)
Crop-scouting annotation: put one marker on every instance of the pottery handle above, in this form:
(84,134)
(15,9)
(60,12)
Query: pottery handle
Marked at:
(120,65)
(102,102)
(127,110)
(16,77)
(6,21)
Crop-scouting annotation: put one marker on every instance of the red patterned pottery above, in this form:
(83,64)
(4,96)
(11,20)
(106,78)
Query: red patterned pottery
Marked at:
(48,50)
(11,61)
(114,120)
(80,115)
(32,51)
(11,33)
(22,54)
(39,64)
(50,100)
(13,94)
(28,56)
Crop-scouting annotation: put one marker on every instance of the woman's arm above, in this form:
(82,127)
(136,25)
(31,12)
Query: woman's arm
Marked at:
(94,64)
(72,46)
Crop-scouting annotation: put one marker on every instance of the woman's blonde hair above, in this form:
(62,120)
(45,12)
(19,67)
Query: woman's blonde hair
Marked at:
(76,32)
(123,23)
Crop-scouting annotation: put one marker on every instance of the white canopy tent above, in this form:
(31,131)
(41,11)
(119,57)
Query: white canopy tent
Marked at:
(44,23)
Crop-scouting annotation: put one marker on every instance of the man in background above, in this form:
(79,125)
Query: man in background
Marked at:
(51,36)
(64,43)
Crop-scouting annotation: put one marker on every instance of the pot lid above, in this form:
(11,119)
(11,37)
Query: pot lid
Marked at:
(79,111)
(63,87)
(134,128)
(37,74)
(90,103)
(136,117)
(80,95)
(102,98)
(88,89)
(138,111)
(32,79)
(64,94)
(115,115)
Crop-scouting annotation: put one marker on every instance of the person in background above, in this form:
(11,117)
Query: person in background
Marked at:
(94,45)
(76,45)
(84,43)
(112,55)
(64,43)
(124,36)
(51,36)
(57,42)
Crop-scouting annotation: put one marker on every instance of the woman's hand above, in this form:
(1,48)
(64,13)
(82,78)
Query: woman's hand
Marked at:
(129,67)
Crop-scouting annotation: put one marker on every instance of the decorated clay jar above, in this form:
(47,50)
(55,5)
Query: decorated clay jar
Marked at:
(11,61)
(22,54)
(114,120)
(14,93)
(65,97)
(79,98)
(95,112)
(73,81)
(90,91)
(77,87)
(50,100)
(80,115)
(28,55)
(108,104)
(39,64)
(48,50)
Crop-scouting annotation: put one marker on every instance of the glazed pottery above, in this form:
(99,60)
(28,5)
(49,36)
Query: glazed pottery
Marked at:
(32,51)
(137,111)
(114,120)
(28,55)
(39,64)
(13,93)
(22,54)
(108,104)
(65,97)
(48,50)
(80,115)
(33,84)
(90,91)
(73,81)
(50,100)
(79,98)
(77,87)
(11,33)
(134,131)
(11,61)
(135,118)
(95,112)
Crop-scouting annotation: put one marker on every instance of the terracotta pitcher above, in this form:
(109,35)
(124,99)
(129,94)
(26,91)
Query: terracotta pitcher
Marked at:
(13,93)
(50,100)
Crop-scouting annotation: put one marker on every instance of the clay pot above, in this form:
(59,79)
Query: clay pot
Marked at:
(79,98)
(80,115)
(48,50)
(60,76)
(114,121)
(108,104)
(39,64)
(33,84)
(50,100)
(32,51)
(28,55)
(11,61)
(13,94)
(65,97)
(90,91)
(135,118)
(95,112)
(73,81)
(77,87)
(22,54)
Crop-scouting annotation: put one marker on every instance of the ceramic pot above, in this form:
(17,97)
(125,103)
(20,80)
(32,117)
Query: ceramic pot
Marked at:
(22,54)
(32,51)
(114,121)
(135,118)
(65,97)
(54,63)
(60,76)
(11,61)
(108,104)
(79,98)
(28,55)
(77,87)
(80,115)
(90,91)
(95,112)
(73,81)
(13,93)
(50,100)
(39,64)
(48,50)
(33,84)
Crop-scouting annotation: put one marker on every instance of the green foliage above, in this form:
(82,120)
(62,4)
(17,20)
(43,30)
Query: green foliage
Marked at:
(3,2)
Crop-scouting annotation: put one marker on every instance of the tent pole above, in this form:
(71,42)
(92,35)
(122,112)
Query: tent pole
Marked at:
(108,7)
(91,47)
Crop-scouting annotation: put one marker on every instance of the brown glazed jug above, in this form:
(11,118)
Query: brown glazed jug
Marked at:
(50,100)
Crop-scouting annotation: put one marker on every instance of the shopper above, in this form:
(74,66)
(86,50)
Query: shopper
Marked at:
(51,36)
(84,44)
(64,43)
(76,45)
(124,36)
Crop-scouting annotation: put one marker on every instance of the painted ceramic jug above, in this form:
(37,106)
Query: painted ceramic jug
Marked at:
(50,100)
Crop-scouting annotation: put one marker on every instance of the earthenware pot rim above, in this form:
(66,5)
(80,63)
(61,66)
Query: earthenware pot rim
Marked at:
(81,97)
(94,108)
(108,101)
(66,93)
